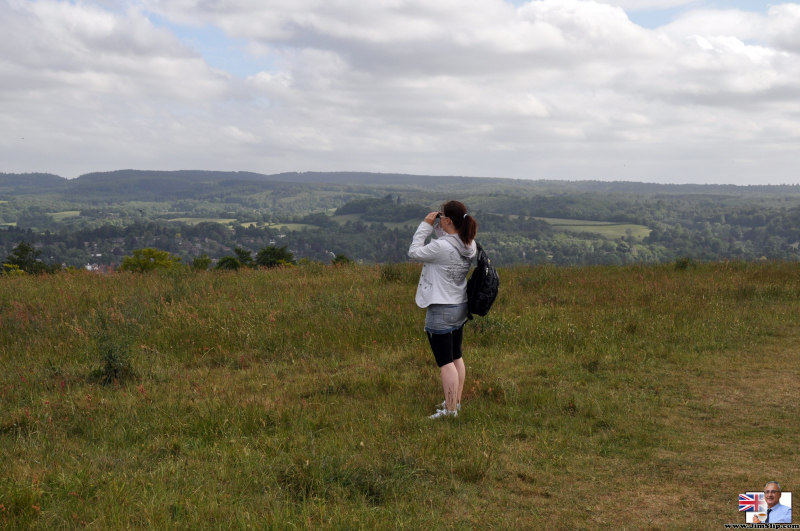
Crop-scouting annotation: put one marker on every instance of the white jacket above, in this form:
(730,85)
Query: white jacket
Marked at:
(446,262)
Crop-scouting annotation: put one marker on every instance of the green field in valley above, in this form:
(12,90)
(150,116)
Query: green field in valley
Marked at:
(291,226)
(606,229)
(596,398)
(609,231)
(568,222)
(195,221)
(61,216)
(230,221)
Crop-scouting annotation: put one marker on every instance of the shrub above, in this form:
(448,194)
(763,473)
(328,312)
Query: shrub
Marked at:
(113,349)
(148,259)
(228,263)
(201,263)
(24,257)
(12,270)
(233,263)
(244,257)
(274,256)
(683,263)
(342,260)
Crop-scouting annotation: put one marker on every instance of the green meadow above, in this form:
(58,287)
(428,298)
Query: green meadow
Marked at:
(623,398)
(605,229)
(291,226)
(230,221)
(61,216)
(195,221)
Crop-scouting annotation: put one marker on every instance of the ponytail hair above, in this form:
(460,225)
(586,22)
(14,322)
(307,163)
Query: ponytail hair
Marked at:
(465,224)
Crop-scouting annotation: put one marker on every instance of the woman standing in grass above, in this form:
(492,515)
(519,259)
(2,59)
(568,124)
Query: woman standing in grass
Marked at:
(443,291)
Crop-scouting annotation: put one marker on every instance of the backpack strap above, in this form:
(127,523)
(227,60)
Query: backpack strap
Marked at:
(478,251)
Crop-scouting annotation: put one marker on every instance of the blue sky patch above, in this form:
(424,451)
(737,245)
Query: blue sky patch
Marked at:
(655,18)
(218,49)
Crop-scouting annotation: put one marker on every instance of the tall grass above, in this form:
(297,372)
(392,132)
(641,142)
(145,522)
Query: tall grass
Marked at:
(296,398)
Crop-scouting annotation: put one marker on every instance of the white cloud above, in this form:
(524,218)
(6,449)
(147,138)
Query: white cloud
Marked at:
(712,22)
(84,47)
(784,26)
(549,89)
(648,5)
(237,135)
(91,90)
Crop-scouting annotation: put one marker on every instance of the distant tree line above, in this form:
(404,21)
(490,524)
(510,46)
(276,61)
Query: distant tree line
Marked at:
(379,228)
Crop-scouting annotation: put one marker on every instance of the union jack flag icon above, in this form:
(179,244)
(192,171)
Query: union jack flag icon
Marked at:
(752,501)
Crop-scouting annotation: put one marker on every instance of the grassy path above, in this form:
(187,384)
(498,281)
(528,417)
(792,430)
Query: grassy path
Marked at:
(597,398)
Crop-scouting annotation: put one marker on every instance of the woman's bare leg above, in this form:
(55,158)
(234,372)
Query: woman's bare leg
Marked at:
(462,374)
(450,385)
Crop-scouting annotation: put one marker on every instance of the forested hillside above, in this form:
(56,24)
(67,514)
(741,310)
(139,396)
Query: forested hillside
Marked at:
(102,217)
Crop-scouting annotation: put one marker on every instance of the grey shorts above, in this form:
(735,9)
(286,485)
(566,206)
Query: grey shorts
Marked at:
(444,318)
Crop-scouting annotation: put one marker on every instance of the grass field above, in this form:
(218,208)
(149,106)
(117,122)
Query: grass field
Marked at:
(195,221)
(292,226)
(596,398)
(560,222)
(609,231)
(13,224)
(606,229)
(61,216)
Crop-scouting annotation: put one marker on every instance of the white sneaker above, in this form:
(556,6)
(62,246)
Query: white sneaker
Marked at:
(443,405)
(442,413)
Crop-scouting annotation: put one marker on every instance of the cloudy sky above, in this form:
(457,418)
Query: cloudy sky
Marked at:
(645,90)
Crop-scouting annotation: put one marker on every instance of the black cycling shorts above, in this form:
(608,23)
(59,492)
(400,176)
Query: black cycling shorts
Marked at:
(446,347)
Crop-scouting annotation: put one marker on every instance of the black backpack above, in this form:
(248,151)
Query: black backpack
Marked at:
(482,286)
